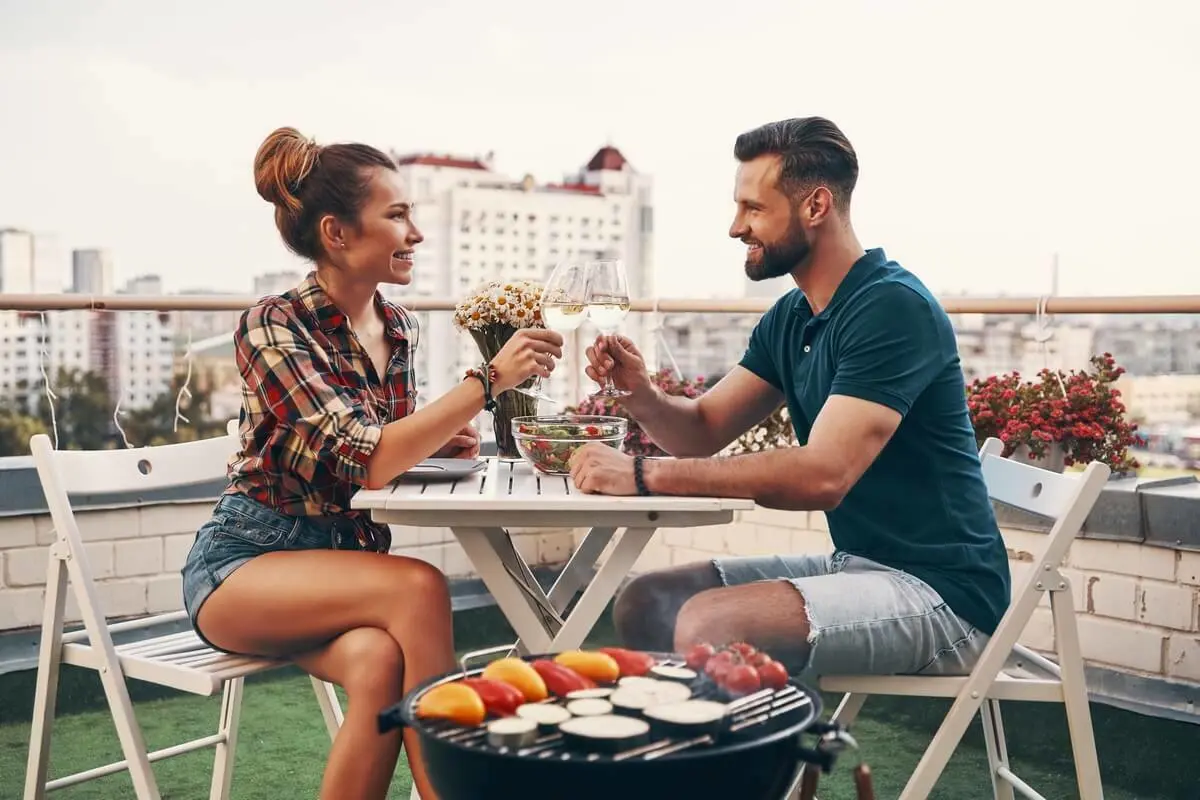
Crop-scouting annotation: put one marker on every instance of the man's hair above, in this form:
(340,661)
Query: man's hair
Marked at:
(812,150)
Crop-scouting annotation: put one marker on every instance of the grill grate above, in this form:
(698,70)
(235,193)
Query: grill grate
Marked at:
(754,715)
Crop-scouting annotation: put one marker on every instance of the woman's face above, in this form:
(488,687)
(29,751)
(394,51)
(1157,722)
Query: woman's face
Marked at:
(381,249)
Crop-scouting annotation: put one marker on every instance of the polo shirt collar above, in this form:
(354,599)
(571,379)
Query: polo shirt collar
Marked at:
(862,269)
(330,318)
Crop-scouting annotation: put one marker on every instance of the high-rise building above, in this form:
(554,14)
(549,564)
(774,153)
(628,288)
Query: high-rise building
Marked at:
(481,225)
(276,282)
(135,350)
(49,264)
(16,261)
(91,271)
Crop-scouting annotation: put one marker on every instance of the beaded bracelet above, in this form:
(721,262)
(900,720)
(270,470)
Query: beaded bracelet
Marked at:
(487,375)
(639,477)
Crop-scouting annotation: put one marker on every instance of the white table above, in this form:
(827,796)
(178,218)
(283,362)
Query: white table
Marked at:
(479,508)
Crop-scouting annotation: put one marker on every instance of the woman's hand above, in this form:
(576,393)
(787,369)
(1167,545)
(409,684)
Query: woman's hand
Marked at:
(529,352)
(464,444)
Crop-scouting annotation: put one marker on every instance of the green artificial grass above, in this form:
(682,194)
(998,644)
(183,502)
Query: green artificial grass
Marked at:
(282,744)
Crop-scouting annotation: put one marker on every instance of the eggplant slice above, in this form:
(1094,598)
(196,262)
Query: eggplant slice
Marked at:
(607,733)
(688,718)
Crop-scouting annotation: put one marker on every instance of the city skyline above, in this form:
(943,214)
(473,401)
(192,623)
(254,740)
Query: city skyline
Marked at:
(982,156)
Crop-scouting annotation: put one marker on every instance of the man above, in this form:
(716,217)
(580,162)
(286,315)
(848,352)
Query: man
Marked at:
(867,362)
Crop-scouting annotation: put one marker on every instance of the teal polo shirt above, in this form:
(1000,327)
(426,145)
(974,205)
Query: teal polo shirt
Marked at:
(922,506)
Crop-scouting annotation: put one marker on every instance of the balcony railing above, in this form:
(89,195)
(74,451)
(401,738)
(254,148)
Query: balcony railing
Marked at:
(954,304)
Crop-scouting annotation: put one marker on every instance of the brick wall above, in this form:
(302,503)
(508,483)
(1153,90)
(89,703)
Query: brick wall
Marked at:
(135,555)
(1136,604)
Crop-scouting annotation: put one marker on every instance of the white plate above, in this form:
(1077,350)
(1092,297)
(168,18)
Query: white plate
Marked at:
(442,469)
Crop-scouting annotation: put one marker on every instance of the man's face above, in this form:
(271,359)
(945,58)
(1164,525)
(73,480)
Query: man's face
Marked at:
(767,221)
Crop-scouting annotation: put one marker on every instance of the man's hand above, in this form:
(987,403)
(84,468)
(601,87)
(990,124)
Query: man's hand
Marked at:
(599,469)
(464,444)
(617,356)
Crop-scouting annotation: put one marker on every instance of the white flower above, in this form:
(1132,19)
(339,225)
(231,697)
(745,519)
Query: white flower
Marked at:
(514,303)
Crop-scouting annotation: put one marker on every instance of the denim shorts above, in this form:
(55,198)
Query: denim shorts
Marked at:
(866,618)
(239,530)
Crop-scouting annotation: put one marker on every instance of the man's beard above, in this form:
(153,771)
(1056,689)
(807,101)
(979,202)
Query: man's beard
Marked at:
(780,258)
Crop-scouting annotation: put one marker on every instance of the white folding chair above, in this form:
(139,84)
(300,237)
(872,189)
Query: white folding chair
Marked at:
(1007,670)
(179,660)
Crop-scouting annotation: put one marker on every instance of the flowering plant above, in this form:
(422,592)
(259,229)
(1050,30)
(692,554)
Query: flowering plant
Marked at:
(1080,411)
(515,304)
(775,431)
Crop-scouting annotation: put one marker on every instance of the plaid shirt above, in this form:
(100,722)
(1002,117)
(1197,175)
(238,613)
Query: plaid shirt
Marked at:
(313,408)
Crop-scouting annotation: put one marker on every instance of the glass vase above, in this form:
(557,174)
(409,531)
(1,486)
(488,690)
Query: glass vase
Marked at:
(510,404)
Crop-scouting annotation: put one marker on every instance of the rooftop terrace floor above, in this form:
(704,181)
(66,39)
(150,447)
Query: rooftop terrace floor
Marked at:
(283,744)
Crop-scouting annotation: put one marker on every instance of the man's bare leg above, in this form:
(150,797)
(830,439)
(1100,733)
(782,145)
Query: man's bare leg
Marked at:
(769,614)
(645,610)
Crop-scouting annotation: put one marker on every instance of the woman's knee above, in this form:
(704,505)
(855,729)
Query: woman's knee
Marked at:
(372,662)
(411,580)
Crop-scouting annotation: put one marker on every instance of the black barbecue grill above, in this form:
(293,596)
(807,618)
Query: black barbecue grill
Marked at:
(753,753)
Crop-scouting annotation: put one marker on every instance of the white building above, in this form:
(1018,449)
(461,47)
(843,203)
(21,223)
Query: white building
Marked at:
(135,349)
(91,271)
(16,261)
(481,225)
(276,282)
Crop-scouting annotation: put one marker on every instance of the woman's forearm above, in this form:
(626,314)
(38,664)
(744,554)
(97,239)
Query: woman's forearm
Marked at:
(407,441)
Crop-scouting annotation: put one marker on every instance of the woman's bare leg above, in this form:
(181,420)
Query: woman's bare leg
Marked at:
(369,665)
(293,602)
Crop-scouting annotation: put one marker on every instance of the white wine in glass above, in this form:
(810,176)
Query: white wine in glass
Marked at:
(563,299)
(607,306)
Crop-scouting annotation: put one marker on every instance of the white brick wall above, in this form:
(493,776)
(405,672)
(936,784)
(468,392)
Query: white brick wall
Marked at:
(135,555)
(1137,606)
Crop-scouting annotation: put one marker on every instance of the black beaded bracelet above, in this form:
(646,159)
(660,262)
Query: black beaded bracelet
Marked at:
(639,477)
(485,374)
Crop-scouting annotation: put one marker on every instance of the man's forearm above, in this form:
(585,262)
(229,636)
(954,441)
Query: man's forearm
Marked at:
(787,478)
(674,423)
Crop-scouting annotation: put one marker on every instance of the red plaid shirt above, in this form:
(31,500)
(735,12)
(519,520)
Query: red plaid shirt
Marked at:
(313,408)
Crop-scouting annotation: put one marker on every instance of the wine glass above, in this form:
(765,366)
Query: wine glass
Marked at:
(563,299)
(607,304)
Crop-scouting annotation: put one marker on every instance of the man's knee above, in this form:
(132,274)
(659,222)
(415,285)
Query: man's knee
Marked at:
(645,610)
(642,613)
(695,621)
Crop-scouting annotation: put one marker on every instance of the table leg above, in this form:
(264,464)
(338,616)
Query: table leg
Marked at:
(485,551)
(575,574)
(601,589)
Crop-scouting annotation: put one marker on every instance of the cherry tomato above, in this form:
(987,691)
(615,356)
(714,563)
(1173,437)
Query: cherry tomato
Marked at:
(699,655)
(758,659)
(742,679)
(743,649)
(719,665)
(773,675)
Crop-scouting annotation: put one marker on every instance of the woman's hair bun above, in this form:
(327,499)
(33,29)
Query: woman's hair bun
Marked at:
(284,160)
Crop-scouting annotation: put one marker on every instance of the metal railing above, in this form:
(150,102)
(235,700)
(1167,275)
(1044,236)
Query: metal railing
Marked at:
(954,304)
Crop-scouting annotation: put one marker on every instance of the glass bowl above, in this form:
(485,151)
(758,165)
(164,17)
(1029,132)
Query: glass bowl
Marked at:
(547,442)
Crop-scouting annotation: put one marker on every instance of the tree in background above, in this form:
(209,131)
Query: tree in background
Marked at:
(155,424)
(83,411)
(83,414)
(16,429)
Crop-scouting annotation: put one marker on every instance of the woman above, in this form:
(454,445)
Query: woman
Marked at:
(285,568)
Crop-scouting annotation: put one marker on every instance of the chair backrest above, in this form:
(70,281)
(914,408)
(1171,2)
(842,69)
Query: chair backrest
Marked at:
(1065,498)
(73,472)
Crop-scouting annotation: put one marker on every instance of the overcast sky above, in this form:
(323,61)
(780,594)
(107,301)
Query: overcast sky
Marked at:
(988,139)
